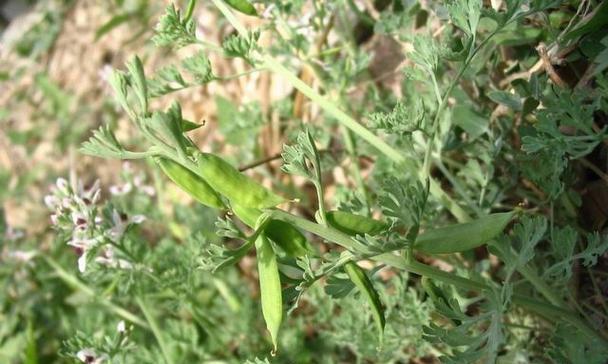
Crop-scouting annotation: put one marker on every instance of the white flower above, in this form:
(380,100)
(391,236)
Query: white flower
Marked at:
(120,224)
(148,190)
(84,243)
(66,203)
(104,73)
(83,246)
(82,262)
(80,221)
(62,185)
(137,219)
(108,259)
(118,190)
(89,356)
(91,194)
(13,234)
(138,181)
(121,327)
(51,201)
(22,256)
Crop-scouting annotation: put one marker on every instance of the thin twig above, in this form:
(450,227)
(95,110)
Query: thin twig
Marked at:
(544,56)
(278,156)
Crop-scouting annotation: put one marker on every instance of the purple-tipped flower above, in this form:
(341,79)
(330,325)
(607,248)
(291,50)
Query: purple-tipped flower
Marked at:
(90,356)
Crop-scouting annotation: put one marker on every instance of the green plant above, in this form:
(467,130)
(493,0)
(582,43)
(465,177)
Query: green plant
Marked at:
(404,207)
(472,170)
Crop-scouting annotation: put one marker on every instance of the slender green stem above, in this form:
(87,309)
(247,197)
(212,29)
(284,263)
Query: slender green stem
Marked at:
(318,182)
(345,119)
(528,273)
(457,186)
(155,330)
(352,151)
(325,232)
(542,308)
(190,10)
(125,154)
(230,17)
(435,125)
(238,75)
(210,46)
(75,283)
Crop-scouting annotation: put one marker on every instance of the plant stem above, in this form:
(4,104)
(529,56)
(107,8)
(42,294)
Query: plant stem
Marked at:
(352,151)
(544,309)
(531,276)
(155,330)
(75,283)
(457,186)
(444,100)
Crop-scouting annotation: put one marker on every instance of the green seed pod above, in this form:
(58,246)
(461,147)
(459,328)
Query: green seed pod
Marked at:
(462,237)
(270,287)
(283,234)
(365,286)
(234,185)
(352,224)
(191,183)
(243,6)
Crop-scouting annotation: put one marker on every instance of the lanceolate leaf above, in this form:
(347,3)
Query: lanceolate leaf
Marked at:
(365,286)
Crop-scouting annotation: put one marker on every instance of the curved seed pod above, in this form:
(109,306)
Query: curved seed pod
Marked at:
(352,224)
(243,6)
(234,185)
(283,234)
(270,287)
(462,237)
(191,183)
(365,286)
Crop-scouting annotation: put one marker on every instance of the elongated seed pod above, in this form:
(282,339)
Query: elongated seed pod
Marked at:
(283,234)
(194,185)
(243,6)
(234,185)
(352,224)
(462,237)
(365,286)
(270,287)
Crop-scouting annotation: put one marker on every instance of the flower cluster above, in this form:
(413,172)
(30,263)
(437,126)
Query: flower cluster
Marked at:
(132,180)
(76,212)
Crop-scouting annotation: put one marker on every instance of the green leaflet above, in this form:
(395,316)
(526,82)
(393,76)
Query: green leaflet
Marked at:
(242,6)
(270,287)
(234,185)
(352,224)
(283,234)
(191,183)
(462,237)
(365,286)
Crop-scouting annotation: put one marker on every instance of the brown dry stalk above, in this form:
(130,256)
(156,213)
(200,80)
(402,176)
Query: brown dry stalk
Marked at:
(548,66)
